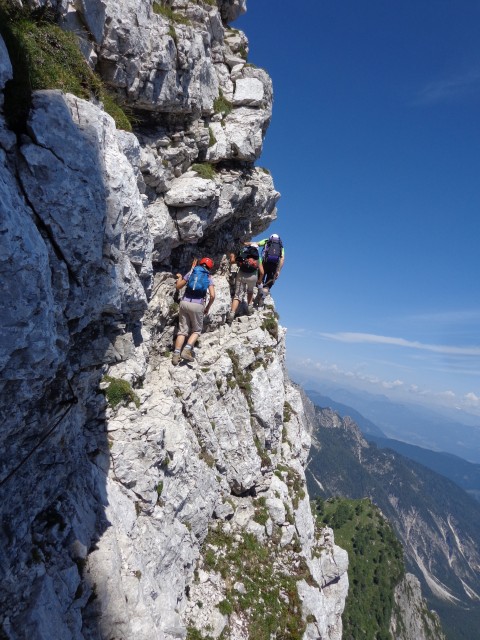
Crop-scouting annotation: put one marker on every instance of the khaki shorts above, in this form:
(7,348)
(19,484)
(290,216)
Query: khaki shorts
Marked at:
(190,318)
(244,282)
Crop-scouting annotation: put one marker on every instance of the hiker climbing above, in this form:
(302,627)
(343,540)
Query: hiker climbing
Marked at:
(273,258)
(249,271)
(199,283)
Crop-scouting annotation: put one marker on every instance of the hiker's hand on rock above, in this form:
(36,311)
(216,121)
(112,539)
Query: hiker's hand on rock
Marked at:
(178,275)
(194,263)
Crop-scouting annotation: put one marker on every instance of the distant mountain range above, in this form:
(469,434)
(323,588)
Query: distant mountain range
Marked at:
(437,522)
(462,472)
(457,434)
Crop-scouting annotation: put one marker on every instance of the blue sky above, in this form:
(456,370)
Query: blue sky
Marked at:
(375,147)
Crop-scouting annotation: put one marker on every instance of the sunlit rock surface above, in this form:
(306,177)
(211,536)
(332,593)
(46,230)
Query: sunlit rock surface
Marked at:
(108,511)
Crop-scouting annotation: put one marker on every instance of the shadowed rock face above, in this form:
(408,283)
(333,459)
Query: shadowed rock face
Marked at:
(105,507)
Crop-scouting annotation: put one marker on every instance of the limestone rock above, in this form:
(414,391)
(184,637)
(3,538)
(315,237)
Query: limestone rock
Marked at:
(154,63)
(127,467)
(162,227)
(248,92)
(191,190)
(411,617)
(232,9)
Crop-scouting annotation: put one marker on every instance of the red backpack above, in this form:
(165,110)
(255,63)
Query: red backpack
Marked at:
(248,259)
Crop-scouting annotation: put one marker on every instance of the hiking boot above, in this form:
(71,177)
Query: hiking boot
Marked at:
(250,310)
(230,317)
(175,359)
(187,355)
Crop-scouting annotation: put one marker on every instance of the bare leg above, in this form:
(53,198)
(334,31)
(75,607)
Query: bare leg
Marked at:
(192,339)
(179,342)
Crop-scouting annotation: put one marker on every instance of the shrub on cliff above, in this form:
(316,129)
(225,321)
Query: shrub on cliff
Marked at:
(119,391)
(44,56)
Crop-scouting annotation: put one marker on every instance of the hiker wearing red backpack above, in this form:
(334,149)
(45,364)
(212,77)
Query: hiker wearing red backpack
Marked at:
(192,307)
(249,271)
(273,257)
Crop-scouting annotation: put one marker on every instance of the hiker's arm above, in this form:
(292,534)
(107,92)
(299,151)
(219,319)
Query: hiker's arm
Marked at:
(211,291)
(261,273)
(180,283)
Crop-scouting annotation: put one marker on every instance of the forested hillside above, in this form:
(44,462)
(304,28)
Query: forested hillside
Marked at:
(436,521)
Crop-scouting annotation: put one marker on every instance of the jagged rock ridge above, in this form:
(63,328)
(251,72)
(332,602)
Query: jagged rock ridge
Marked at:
(105,510)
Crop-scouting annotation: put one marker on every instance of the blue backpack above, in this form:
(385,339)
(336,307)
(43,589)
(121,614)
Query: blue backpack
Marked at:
(198,283)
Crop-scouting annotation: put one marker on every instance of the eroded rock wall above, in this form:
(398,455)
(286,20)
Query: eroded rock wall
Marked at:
(411,617)
(106,512)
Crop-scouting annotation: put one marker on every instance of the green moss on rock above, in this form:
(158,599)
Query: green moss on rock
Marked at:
(44,56)
(120,391)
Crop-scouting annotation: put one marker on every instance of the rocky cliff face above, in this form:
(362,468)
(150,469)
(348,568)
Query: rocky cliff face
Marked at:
(411,617)
(179,505)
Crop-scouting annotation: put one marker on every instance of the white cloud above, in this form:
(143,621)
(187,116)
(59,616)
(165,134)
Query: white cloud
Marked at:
(449,89)
(472,399)
(369,338)
(447,394)
(393,385)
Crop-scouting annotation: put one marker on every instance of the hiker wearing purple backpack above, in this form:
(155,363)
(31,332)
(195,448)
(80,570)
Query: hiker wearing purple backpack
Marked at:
(273,258)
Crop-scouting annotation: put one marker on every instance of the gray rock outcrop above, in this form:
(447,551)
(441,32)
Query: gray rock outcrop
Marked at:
(411,617)
(127,485)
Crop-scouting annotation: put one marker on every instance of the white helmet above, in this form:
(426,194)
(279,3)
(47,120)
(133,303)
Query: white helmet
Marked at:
(274,236)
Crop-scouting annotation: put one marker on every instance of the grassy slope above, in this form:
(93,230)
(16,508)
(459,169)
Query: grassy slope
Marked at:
(45,57)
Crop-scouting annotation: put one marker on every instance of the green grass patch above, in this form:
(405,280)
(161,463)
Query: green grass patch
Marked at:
(119,392)
(270,605)
(222,105)
(265,459)
(44,56)
(211,137)
(270,324)
(163,9)
(195,634)
(205,170)
(261,512)
(287,411)
(376,564)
